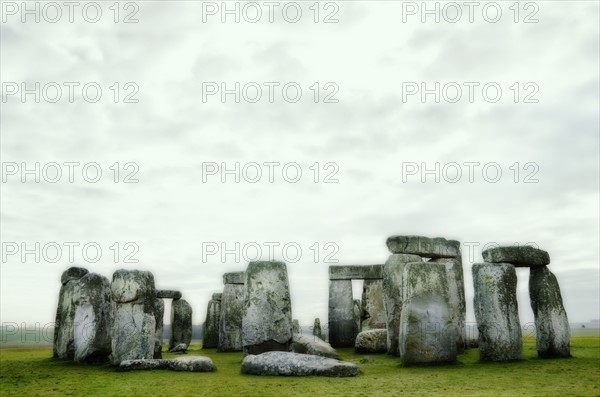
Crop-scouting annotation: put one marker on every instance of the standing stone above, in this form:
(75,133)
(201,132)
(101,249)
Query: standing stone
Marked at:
(552,326)
(93,319)
(317,329)
(232,311)
(181,323)
(134,326)
(267,319)
(427,334)
(424,246)
(358,315)
(296,327)
(456,289)
(210,339)
(392,296)
(497,311)
(63,344)
(342,323)
(373,308)
(159,313)
(519,256)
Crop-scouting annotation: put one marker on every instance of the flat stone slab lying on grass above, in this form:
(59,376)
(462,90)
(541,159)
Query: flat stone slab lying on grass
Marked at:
(519,256)
(185,364)
(437,247)
(371,341)
(294,364)
(192,364)
(313,345)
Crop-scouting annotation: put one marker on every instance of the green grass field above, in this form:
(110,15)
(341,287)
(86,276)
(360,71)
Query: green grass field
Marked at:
(31,372)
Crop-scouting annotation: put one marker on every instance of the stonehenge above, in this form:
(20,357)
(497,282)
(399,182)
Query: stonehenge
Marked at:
(210,340)
(232,310)
(412,306)
(267,317)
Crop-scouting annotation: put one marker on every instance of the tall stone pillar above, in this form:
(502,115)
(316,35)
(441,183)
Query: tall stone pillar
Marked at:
(232,311)
(497,311)
(341,314)
(181,323)
(373,308)
(159,313)
(210,340)
(63,345)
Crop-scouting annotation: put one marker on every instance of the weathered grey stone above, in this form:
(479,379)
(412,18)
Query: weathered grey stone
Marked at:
(234,278)
(342,323)
(181,323)
(63,343)
(295,327)
(373,308)
(437,247)
(553,333)
(267,319)
(456,290)
(230,320)
(210,339)
(392,296)
(349,272)
(217,296)
(293,364)
(519,256)
(179,348)
(317,329)
(497,312)
(168,294)
(143,364)
(427,334)
(134,325)
(72,273)
(192,364)
(159,313)
(371,341)
(357,313)
(93,319)
(313,345)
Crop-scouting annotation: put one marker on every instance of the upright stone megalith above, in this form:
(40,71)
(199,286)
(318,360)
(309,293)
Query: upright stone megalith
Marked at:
(373,308)
(552,326)
(497,312)
(181,323)
(93,319)
(267,319)
(341,314)
(232,311)
(392,296)
(357,317)
(316,331)
(210,339)
(427,333)
(134,326)
(159,313)
(64,345)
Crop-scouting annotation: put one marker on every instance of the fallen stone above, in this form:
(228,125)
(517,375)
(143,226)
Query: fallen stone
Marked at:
(93,319)
(392,296)
(143,364)
(64,342)
(427,334)
(181,323)
(497,312)
(168,294)
(519,256)
(191,364)
(134,325)
(267,319)
(276,363)
(553,333)
(342,320)
(371,341)
(179,348)
(312,345)
(437,247)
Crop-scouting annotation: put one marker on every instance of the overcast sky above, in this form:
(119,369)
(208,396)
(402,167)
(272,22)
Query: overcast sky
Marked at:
(371,133)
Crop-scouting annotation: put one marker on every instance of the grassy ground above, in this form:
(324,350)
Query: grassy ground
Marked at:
(27,372)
